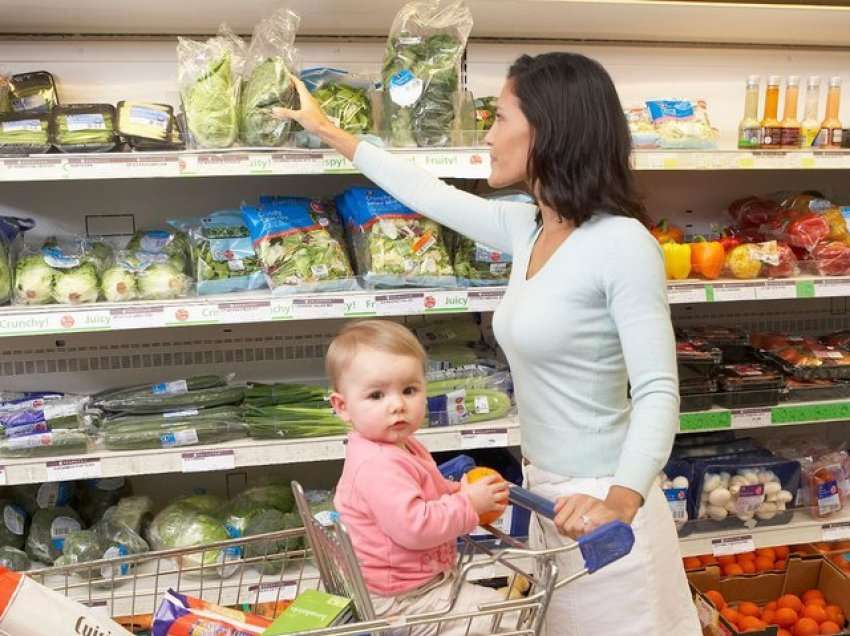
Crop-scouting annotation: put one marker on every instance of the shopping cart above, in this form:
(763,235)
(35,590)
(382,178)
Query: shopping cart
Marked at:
(523,616)
(264,572)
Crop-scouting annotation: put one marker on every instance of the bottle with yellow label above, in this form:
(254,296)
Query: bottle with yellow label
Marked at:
(829,135)
(810,125)
(749,130)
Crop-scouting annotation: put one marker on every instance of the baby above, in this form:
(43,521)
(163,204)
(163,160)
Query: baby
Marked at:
(403,516)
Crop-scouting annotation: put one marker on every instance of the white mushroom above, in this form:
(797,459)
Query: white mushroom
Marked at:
(784,496)
(703,511)
(738,480)
(712,482)
(734,489)
(717,513)
(745,516)
(730,506)
(771,489)
(724,479)
(766,511)
(719,497)
(751,477)
(681,482)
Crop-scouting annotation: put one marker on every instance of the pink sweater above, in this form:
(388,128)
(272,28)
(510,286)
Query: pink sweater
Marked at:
(403,516)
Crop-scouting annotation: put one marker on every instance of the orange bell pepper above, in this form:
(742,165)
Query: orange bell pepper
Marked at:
(707,258)
(666,233)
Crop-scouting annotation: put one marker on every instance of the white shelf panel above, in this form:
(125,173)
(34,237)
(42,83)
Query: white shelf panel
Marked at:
(801,529)
(243,453)
(459,163)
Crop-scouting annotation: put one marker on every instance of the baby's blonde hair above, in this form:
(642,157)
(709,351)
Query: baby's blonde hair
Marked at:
(382,335)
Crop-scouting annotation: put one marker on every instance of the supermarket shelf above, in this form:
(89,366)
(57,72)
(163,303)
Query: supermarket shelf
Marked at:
(459,163)
(493,434)
(256,307)
(718,419)
(801,529)
(227,309)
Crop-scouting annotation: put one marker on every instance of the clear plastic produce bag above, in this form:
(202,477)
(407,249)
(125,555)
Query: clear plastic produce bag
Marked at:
(346,98)
(223,253)
(394,246)
(296,247)
(208,77)
(11,231)
(467,396)
(267,81)
(421,74)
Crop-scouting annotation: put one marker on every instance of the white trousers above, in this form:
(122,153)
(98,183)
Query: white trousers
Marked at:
(435,596)
(643,594)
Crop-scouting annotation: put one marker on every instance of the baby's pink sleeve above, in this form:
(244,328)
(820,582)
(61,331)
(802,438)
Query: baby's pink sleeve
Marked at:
(395,499)
(454,486)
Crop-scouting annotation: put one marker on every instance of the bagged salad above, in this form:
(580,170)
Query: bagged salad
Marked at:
(267,82)
(83,128)
(297,249)
(64,270)
(421,73)
(24,134)
(208,78)
(11,230)
(33,93)
(153,266)
(223,253)
(394,246)
(682,124)
(346,99)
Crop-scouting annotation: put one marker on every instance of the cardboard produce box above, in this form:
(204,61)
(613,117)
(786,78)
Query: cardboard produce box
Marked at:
(802,574)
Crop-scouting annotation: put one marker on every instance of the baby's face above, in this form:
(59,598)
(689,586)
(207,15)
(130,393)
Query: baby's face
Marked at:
(382,395)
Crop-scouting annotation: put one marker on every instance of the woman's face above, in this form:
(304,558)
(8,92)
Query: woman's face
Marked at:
(509,140)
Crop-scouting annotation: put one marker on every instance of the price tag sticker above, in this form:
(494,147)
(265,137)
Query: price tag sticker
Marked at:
(686,293)
(72,469)
(832,288)
(484,438)
(726,292)
(251,311)
(208,460)
(273,591)
(838,531)
(137,317)
(399,304)
(319,307)
(484,300)
(751,418)
(729,546)
(775,290)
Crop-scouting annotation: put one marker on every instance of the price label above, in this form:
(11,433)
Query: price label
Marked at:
(751,418)
(774,290)
(484,300)
(29,169)
(250,311)
(207,460)
(838,531)
(71,469)
(686,293)
(832,288)
(297,163)
(137,317)
(399,304)
(273,591)
(320,307)
(729,546)
(484,438)
(732,291)
(224,164)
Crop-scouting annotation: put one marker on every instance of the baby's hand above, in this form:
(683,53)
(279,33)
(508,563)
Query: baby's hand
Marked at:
(489,494)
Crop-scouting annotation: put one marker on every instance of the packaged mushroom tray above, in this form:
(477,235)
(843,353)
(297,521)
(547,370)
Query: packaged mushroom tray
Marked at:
(675,481)
(744,492)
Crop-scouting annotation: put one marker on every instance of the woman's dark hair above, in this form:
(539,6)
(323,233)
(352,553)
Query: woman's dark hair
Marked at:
(580,147)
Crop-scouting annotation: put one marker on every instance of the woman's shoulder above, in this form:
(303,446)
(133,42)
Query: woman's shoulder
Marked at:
(625,237)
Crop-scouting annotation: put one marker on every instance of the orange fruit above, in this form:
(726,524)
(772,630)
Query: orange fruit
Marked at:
(746,556)
(808,595)
(771,605)
(785,617)
(816,613)
(828,627)
(716,599)
(791,602)
(817,601)
(748,623)
(806,627)
(725,559)
(782,551)
(768,553)
(481,472)
(692,563)
(708,559)
(731,615)
(748,567)
(769,616)
(745,608)
(732,569)
(780,564)
(783,632)
(835,614)
(763,564)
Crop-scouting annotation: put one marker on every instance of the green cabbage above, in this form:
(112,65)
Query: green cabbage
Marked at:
(76,285)
(161,281)
(33,280)
(48,532)
(118,284)
(271,554)
(275,496)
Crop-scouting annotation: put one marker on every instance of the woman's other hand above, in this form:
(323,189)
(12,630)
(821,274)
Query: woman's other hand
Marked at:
(577,515)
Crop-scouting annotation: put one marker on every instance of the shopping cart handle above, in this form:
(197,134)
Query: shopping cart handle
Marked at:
(527,499)
(606,544)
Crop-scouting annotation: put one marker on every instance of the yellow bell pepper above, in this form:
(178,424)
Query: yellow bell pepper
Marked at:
(677,260)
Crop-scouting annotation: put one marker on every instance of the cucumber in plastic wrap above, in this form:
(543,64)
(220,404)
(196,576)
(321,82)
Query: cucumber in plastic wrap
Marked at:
(163,421)
(195,392)
(469,399)
(202,432)
(58,442)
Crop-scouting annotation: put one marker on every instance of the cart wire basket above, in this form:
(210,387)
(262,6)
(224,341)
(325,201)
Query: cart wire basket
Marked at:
(264,572)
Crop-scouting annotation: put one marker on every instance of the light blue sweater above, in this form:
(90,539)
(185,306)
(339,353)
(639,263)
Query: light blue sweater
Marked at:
(593,319)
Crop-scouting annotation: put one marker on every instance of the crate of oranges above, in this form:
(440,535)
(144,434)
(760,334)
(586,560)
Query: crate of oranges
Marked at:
(810,598)
(836,552)
(762,560)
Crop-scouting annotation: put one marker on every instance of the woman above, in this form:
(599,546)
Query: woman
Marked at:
(585,314)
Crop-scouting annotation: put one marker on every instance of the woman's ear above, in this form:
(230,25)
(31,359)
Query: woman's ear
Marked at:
(339,406)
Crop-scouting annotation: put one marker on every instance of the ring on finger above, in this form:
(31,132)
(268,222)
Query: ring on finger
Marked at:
(585,519)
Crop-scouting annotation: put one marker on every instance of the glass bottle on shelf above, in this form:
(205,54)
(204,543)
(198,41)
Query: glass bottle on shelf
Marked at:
(829,135)
(790,136)
(771,131)
(749,130)
(810,126)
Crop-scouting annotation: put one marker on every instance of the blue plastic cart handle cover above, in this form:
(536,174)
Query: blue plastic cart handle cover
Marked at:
(606,544)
